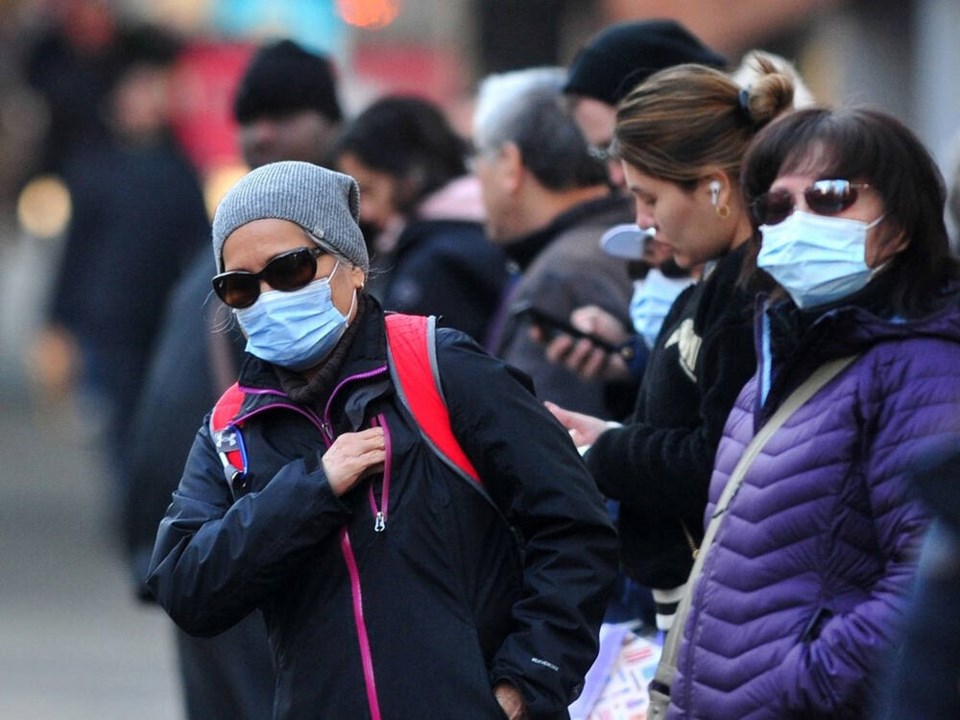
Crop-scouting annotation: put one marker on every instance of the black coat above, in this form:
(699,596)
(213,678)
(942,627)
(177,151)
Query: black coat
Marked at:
(447,268)
(658,465)
(452,602)
(138,218)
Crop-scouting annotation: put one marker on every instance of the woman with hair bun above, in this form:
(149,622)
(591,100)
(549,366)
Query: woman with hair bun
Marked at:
(681,136)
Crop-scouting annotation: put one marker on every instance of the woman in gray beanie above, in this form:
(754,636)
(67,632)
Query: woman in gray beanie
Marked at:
(394,578)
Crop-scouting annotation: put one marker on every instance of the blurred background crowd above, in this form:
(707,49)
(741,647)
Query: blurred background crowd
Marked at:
(110,103)
(58,59)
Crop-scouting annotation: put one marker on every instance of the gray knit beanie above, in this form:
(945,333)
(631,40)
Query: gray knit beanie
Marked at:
(323,202)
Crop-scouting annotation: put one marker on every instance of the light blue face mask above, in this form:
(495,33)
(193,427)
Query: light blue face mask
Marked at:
(295,330)
(815,258)
(652,299)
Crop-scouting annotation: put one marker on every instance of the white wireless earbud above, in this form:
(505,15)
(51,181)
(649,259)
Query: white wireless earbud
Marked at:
(714,192)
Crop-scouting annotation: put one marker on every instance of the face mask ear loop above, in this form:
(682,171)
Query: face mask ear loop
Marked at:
(881,266)
(353,304)
(353,300)
(329,277)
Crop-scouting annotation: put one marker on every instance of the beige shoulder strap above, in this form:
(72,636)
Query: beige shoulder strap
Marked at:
(666,670)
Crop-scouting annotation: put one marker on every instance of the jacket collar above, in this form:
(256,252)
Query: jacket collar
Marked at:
(792,343)
(525,249)
(367,355)
(856,323)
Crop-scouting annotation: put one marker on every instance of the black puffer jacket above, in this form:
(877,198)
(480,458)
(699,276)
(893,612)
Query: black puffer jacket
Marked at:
(450,602)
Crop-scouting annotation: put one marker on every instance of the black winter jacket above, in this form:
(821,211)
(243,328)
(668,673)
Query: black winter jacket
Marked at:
(447,268)
(451,600)
(658,465)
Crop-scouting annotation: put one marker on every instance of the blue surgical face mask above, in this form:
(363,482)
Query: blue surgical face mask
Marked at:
(295,330)
(652,298)
(815,258)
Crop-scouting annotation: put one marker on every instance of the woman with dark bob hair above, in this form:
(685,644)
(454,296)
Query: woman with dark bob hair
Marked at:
(801,592)
(423,214)
(879,151)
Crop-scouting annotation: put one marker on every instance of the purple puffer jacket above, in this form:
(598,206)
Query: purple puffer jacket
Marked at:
(803,590)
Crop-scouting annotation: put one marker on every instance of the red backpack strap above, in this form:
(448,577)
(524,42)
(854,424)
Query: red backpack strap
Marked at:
(226,435)
(412,353)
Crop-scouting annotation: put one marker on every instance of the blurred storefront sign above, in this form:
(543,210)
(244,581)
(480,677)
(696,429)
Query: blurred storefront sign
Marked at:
(315,24)
(206,79)
(416,69)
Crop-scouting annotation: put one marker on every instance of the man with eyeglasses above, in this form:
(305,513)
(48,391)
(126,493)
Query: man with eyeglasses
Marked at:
(547,202)
(616,60)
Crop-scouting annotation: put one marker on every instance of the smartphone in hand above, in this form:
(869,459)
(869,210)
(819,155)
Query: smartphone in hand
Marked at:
(551,325)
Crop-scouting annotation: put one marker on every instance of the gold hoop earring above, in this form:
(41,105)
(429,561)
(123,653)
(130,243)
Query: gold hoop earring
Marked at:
(723,212)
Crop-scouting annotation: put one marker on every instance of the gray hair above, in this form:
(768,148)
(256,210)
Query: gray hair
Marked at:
(526,107)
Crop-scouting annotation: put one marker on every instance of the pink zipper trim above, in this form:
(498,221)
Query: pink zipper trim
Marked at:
(366,656)
(380,513)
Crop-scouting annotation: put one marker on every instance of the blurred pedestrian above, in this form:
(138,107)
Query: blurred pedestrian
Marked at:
(548,202)
(392,584)
(616,60)
(71,64)
(682,135)
(286,107)
(822,531)
(922,676)
(138,216)
(431,256)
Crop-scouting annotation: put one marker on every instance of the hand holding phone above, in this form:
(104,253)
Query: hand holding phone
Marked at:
(550,325)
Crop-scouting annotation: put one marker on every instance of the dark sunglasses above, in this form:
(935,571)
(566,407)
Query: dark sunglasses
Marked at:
(289,271)
(824,197)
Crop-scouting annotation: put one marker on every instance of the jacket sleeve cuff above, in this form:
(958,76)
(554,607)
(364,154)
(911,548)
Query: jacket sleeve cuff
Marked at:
(605,473)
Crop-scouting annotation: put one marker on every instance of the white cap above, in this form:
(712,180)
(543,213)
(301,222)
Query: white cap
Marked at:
(626,241)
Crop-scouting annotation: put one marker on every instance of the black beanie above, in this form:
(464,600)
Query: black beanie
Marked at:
(620,57)
(283,78)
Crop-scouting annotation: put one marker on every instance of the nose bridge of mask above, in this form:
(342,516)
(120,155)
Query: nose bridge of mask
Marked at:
(292,304)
